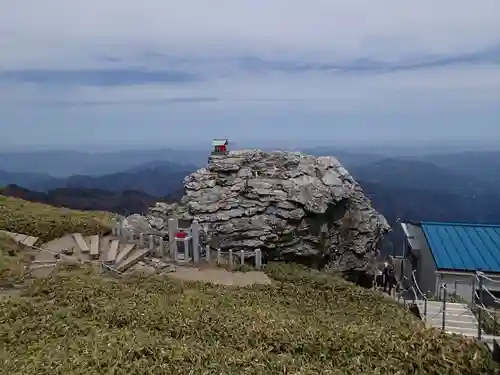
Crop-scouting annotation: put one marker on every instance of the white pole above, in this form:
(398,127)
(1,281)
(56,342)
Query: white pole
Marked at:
(196,253)
(219,255)
(172,229)
(207,253)
(173,250)
(242,257)
(160,247)
(195,234)
(151,242)
(258,258)
(141,239)
(230,258)
(186,249)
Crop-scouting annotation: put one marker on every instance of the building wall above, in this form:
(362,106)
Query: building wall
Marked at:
(461,284)
(426,270)
(426,267)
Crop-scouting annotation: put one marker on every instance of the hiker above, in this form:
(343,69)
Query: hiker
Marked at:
(385,273)
(389,281)
(379,280)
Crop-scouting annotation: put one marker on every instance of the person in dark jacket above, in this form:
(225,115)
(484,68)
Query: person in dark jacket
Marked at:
(389,281)
(385,273)
(379,281)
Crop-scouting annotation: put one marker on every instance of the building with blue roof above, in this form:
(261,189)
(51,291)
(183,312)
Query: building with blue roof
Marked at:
(450,253)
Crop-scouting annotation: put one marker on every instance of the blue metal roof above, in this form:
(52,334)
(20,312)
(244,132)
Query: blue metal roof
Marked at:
(464,247)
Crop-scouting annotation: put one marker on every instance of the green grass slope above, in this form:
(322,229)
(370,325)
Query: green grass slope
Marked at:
(306,323)
(48,222)
(11,261)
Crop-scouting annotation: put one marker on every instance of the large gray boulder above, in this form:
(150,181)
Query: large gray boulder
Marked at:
(288,204)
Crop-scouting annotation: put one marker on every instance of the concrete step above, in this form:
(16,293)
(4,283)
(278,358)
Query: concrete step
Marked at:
(466,314)
(113,251)
(124,252)
(451,305)
(104,243)
(132,259)
(455,323)
(80,242)
(450,311)
(470,332)
(94,247)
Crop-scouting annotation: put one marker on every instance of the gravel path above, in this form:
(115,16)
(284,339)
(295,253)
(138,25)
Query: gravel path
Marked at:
(220,276)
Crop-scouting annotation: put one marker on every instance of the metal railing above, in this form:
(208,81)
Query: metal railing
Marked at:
(417,292)
(443,287)
(487,317)
(483,313)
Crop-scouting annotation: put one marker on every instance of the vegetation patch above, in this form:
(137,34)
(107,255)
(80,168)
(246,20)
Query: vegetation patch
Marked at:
(307,322)
(48,222)
(12,261)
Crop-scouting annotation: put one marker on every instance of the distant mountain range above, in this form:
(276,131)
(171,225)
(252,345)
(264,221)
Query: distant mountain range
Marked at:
(124,203)
(462,187)
(155,178)
(70,163)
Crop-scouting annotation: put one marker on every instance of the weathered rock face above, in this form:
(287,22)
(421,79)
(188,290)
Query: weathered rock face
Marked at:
(287,204)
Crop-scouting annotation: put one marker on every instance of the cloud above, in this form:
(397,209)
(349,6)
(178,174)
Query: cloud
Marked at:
(315,56)
(97,77)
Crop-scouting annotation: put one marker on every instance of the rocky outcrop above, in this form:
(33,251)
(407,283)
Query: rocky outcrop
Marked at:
(289,205)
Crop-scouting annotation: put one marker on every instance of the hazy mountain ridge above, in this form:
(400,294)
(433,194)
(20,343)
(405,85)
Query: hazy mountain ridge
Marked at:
(453,188)
(484,166)
(124,203)
(62,163)
(155,178)
(420,175)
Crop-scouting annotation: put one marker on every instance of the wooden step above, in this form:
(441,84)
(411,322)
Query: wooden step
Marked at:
(113,251)
(132,259)
(84,248)
(30,241)
(124,252)
(20,237)
(94,247)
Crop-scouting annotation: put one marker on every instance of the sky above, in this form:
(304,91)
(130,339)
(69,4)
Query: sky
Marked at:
(331,72)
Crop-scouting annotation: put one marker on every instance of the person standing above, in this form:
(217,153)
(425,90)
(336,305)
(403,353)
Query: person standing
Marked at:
(389,281)
(379,280)
(385,274)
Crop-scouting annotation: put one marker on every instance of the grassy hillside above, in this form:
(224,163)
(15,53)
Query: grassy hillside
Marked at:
(307,323)
(48,222)
(11,261)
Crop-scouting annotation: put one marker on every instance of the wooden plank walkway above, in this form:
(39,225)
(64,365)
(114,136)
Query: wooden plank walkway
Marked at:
(113,251)
(94,247)
(21,238)
(124,252)
(80,241)
(135,257)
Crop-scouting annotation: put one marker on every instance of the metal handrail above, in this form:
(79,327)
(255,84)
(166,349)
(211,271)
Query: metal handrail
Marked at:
(478,300)
(443,308)
(414,279)
(481,273)
(416,289)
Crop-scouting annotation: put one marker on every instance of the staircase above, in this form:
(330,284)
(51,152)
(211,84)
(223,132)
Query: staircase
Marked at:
(458,319)
(105,253)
